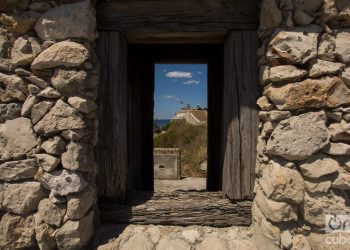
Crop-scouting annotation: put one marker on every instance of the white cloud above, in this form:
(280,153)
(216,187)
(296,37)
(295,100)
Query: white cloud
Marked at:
(179,74)
(172,97)
(191,82)
(199,72)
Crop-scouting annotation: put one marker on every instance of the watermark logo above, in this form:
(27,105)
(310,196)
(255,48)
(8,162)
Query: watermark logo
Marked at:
(337,223)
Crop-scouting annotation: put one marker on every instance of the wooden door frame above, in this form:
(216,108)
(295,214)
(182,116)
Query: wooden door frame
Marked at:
(180,22)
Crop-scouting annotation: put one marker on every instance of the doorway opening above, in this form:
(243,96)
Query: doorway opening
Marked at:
(188,80)
(180,130)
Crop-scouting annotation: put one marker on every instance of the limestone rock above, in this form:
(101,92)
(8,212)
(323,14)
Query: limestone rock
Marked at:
(74,135)
(51,213)
(79,203)
(18,170)
(320,185)
(326,48)
(300,243)
(286,239)
(15,89)
(75,234)
(293,47)
(47,162)
(267,130)
(302,18)
(40,109)
(336,116)
(191,235)
(172,244)
(329,11)
(33,89)
(40,6)
(342,49)
(20,23)
(16,138)
(275,211)
(50,93)
(76,20)
(9,111)
(271,16)
(339,131)
(138,242)
(22,198)
(326,92)
(37,81)
(45,237)
(318,165)
(28,105)
(299,137)
(21,53)
(315,207)
(5,65)
(309,6)
(263,241)
(67,54)
(213,243)
(344,16)
(79,157)
(16,232)
(342,181)
(63,182)
(68,82)
(282,184)
(264,104)
(321,67)
(264,75)
(337,149)
(82,104)
(4,46)
(286,73)
(274,115)
(55,145)
(61,117)
(345,76)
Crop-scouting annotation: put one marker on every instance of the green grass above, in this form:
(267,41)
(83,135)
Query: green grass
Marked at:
(192,140)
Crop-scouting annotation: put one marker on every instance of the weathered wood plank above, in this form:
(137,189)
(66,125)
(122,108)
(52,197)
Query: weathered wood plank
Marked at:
(182,15)
(179,208)
(231,182)
(111,150)
(241,92)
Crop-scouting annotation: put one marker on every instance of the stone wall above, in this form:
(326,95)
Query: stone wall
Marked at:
(303,164)
(48,123)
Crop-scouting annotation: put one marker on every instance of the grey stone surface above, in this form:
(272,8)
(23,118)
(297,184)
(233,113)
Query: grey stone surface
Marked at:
(337,149)
(63,182)
(69,82)
(40,109)
(286,73)
(76,20)
(173,244)
(213,243)
(60,117)
(82,104)
(321,67)
(47,162)
(297,138)
(342,49)
(138,242)
(54,145)
(9,111)
(78,204)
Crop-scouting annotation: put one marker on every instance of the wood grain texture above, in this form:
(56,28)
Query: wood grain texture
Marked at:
(179,208)
(240,129)
(111,150)
(181,15)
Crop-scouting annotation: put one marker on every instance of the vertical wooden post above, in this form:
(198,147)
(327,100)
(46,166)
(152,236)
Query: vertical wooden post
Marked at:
(240,115)
(111,150)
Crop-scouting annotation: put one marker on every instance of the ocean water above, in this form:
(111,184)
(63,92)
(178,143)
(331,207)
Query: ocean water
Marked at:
(161,122)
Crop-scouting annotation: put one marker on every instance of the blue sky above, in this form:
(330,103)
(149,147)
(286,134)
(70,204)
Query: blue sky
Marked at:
(176,84)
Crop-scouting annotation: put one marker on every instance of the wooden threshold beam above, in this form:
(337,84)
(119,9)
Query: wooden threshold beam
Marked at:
(179,208)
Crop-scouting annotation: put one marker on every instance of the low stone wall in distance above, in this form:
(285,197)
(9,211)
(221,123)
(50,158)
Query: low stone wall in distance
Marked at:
(303,168)
(167,163)
(48,123)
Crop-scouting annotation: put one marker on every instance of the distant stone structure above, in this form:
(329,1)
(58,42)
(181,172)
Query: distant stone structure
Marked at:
(167,163)
(196,116)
